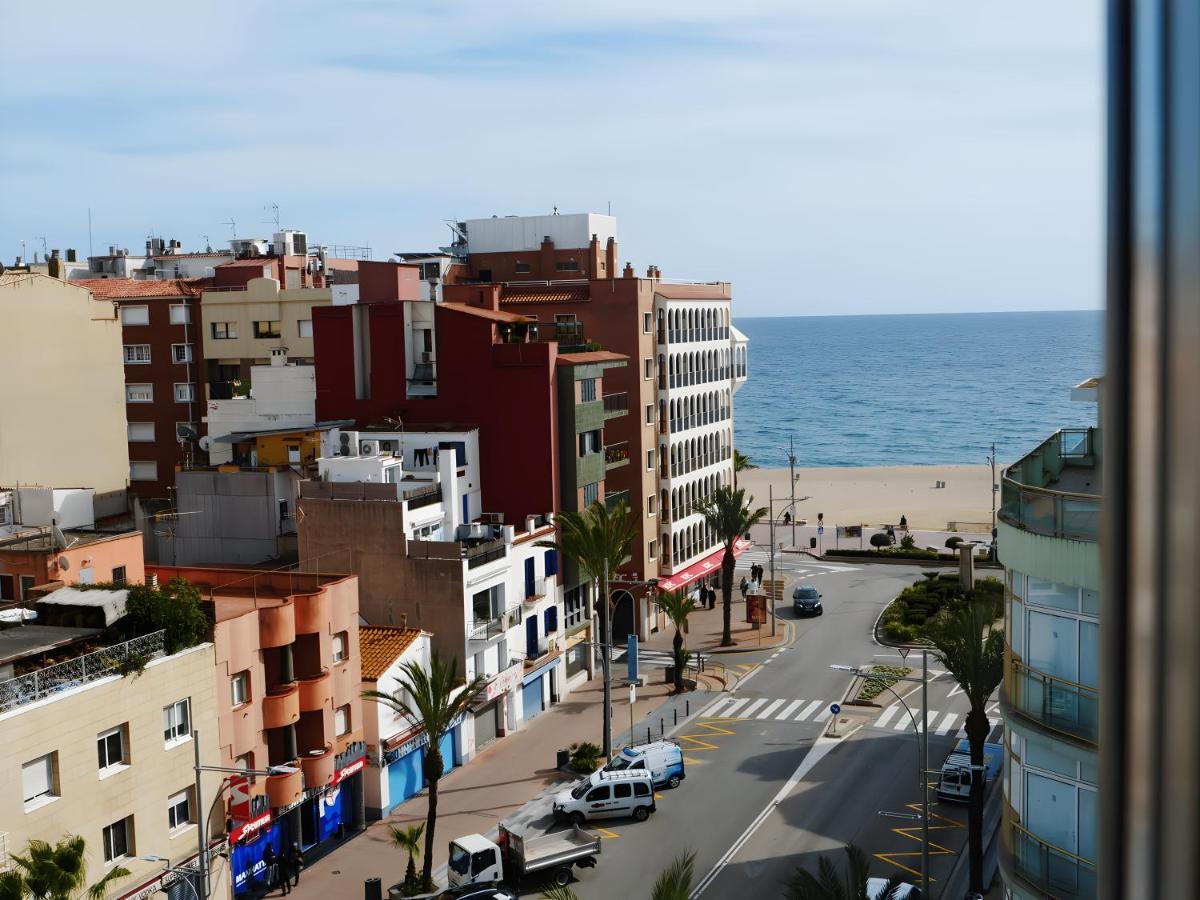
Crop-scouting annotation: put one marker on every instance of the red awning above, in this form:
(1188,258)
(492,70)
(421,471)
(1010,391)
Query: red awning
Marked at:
(710,565)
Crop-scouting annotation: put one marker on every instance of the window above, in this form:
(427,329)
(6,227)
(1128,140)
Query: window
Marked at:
(587,389)
(649,413)
(567,265)
(267,328)
(37,779)
(135,315)
(591,493)
(647,368)
(110,748)
(139,393)
(5,515)
(641,789)
(341,720)
(339,646)
(177,721)
(304,327)
(245,761)
(589,442)
(137,354)
(184,392)
(180,314)
(143,470)
(224,331)
(650,505)
(649,460)
(181,353)
(652,550)
(575,605)
(622,791)
(646,323)
(140,431)
(179,810)
(26,584)
(185,431)
(523,268)
(239,688)
(117,843)
(430,271)
(600,793)
(118,575)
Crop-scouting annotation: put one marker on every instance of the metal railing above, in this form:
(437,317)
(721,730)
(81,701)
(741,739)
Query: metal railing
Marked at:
(616,404)
(702,376)
(700,461)
(616,454)
(477,557)
(1059,704)
(485,630)
(1056,872)
(687,335)
(700,419)
(81,670)
(425,496)
(1043,510)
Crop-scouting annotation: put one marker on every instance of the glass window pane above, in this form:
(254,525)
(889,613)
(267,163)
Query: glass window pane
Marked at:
(1048,593)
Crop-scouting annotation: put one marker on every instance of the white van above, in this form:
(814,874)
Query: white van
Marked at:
(607,795)
(662,759)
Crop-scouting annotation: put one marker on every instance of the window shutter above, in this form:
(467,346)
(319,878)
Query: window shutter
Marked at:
(37,777)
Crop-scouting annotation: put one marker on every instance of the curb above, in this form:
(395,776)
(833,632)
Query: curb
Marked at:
(788,638)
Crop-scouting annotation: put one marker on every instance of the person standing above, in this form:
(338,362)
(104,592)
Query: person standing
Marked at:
(270,866)
(296,858)
(285,872)
(744,587)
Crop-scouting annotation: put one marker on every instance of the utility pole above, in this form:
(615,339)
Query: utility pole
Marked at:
(771,520)
(607,666)
(792,478)
(925,773)
(202,824)
(992,460)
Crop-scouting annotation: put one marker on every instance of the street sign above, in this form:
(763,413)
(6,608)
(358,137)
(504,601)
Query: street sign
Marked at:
(632,693)
(820,530)
(835,708)
(631,657)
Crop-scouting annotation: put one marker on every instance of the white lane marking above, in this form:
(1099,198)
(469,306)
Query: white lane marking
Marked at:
(712,708)
(749,710)
(808,711)
(767,662)
(930,716)
(957,689)
(788,710)
(774,705)
(905,722)
(948,721)
(882,721)
(823,715)
(736,704)
(744,678)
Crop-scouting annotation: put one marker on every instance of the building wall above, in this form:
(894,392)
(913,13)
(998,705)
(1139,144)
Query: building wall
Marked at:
(62,387)
(92,562)
(262,300)
(228,518)
(69,724)
(381,722)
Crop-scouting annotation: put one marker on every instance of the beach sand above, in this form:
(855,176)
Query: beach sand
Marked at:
(881,495)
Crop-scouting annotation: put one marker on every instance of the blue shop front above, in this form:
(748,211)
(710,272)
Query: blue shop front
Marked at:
(400,767)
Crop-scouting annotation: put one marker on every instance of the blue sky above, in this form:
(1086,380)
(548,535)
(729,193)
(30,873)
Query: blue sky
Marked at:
(827,156)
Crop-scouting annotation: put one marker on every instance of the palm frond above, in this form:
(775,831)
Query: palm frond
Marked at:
(558,893)
(729,514)
(675,882)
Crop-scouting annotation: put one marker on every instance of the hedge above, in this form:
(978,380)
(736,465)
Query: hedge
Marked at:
(904,619)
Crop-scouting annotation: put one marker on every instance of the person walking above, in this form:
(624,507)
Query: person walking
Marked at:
(744,587)
(285,872)
(270,866)
(296,863)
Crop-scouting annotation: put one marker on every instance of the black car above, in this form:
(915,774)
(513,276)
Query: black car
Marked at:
(490,891)
(806,601)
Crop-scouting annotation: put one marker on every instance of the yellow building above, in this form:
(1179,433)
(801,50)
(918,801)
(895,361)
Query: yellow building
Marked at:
(62,388)
(111,758)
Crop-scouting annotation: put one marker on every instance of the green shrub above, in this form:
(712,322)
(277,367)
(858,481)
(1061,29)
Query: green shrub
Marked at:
(888,676)
(908,542)
(880,539)
(174,609)
(953,541)
(585,757)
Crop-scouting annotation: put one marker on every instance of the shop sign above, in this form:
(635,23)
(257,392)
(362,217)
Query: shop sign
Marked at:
(504,682)
(342,774)
(250,827)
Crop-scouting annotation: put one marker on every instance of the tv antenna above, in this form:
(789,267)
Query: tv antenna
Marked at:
(207,244)
(274,208)
(232,225)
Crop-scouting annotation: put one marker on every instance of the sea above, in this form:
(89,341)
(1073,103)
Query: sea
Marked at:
(913,389)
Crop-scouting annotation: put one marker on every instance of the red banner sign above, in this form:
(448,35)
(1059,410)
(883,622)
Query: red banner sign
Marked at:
(240,831)
(342,774)
(239,798)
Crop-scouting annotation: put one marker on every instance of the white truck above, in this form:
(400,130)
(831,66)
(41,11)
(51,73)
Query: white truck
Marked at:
(512,857)
(954,783)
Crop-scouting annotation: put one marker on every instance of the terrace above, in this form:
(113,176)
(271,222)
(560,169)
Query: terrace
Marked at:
(1055,489)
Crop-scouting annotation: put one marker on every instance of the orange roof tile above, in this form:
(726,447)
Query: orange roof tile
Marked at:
(381,645)
(576,293)
(123,288)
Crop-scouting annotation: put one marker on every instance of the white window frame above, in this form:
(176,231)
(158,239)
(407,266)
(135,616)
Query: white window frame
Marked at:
(648,368)
(341,720)
(647,322)
(137,354)
(190,394)
(130,312)
(649,413)
(141,474)
(131,432)
(340,646)
(304,328)
(239,688)
(652,550)
(139,387)
(109,766)
(108,834)
(181,314)
(176,732)
(187,353)
(650,504)
(182,798)
(650,460)
(34,799)
(230,329)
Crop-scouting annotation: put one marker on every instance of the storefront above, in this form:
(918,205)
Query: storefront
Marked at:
(248,842)
(539,689)
(489,709)
(404,762)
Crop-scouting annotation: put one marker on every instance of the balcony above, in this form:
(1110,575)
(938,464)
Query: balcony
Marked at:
(311,613)
(616,405)
(316,693)
(318,768)
(484,630)
(285,790)
(276,626)
(1060,705)
(616,455)
(1055,490)
(483,553)
(613,499)
(1054,872)
(281,708)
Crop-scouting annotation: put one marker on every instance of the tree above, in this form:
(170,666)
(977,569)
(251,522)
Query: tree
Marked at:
(678,606)
(828,885)
(727,512)
(741,462)
(879,540)
(174,609)
(966,642)
(58,871)
(675,882)
(600,542)
(430,699)
(409,840)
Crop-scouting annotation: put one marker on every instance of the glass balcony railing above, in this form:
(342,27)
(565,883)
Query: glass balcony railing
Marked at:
(1056,703)
(613,500)
(1056,872)
(1029,501)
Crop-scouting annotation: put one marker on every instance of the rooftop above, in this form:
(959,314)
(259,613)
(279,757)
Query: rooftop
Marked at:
(33,640)
(111,602)
(43,541)
(483,313)
(590,358)
(381,645)
(549,293)
(123,288)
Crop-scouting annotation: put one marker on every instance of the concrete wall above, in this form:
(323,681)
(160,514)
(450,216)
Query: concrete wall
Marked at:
(62,387)
(1049,558)
(227,518)
(263,300)
(69,724)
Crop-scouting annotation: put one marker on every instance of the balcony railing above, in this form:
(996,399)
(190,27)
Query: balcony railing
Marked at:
(486,629)
(79,671)
(700,461)
(616,405)
(1026,503)
(483,554)
(613,500)
(1055,702)
(616,455)
(424,496)
(1055,872)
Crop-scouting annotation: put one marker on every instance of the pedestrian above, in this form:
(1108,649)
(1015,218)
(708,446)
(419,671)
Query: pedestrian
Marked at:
(285,872)
(712,597)
(744,587)
(904,523)
(296,858)
(435,456)
(787,518)
(270,866)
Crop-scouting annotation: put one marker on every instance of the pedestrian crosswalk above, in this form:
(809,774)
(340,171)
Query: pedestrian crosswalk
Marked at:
(893,718)
(791,563)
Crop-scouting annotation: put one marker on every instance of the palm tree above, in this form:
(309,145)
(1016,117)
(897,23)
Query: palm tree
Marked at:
(741,462)
(58,871)
(600,541)
(430,699)
(727,512)
(827,885)
(966,642)
(678,606)
(409,840)
(675,882)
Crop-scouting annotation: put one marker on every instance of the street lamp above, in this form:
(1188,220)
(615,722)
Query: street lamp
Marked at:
(175,870)
(771,527)
(610,608)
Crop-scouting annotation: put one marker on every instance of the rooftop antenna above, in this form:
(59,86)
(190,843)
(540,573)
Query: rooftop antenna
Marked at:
(45,251)
(610,207)
(24,260)
(207,244)
(232,225)
(90,250)
(274,208)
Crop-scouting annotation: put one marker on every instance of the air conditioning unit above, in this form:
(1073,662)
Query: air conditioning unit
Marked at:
(368,448)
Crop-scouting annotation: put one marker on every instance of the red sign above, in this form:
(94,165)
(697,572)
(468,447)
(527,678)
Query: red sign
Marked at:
(756,609)
(239,798)
(710,565)
(240,831)
(342,774)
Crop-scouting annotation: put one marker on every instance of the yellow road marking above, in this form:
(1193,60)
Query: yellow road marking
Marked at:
(745,666)
(711,729)
(914,832)
(657,795)
(604,832)
(692,762)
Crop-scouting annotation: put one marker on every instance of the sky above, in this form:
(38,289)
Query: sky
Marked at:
(826,156)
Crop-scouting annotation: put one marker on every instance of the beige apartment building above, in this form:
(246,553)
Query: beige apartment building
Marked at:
(62,389)
(110,757)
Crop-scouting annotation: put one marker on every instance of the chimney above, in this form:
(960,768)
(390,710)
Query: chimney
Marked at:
(628,273)
(649,271)
(595,260)
(610,258)
(71,255)
(451,505)
(279,356)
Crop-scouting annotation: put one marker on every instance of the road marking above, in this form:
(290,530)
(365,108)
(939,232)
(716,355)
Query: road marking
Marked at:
(603,832)
(948,721)
(693,762)
(929,716)
(882,721)
(749,710)
(788,710)
(823,715)
(913,832)
(774,705)
(808,711)
(904,723)
(736,703)
(745,666)
(711,709)
(957,689)
(698,742)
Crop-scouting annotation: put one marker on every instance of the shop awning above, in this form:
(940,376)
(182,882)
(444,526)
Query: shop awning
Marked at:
(710,565)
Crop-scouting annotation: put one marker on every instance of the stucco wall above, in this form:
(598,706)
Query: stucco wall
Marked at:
(1051,559)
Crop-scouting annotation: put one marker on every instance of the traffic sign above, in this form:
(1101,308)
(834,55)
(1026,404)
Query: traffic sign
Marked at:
(835,708)
(820,530)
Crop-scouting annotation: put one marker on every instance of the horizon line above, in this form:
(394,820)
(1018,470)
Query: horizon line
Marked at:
(977,312)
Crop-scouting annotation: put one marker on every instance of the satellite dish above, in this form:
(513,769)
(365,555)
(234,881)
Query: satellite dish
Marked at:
(205,443)
(64,563)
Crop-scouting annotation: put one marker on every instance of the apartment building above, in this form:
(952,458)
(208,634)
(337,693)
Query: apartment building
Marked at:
(100,744)
(287,677)
(62,390)
(1048,532)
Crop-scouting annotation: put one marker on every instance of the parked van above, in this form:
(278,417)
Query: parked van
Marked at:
(955,780)
(662,759)
(607,795)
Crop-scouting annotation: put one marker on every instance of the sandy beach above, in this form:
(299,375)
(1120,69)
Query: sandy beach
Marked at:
(881,495)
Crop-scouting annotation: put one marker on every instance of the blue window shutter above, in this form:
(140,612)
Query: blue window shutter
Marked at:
(551,619)
(552,561)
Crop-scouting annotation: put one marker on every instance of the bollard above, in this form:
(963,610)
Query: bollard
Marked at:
(676,713)
(687,707)
(661,729)
(647,734)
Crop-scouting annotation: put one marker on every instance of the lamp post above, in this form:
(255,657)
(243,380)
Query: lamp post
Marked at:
(771,528)
(609,608)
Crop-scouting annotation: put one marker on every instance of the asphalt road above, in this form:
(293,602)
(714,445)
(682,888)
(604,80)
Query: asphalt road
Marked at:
(741,756)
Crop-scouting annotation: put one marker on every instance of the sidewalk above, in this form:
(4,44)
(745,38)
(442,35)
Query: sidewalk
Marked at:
(493,787)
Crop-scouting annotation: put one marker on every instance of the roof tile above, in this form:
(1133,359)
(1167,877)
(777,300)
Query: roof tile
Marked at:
(381,645)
